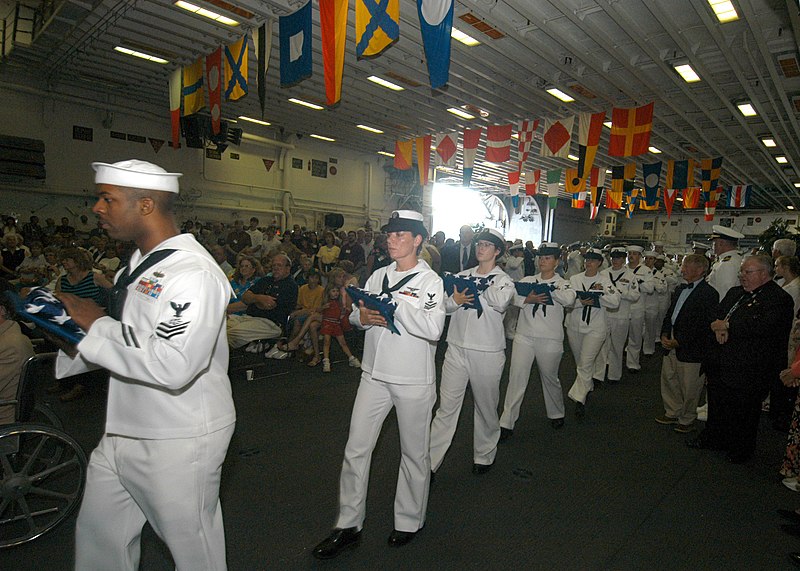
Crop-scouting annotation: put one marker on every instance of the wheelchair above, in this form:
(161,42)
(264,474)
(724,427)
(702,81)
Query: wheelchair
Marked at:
(42,469)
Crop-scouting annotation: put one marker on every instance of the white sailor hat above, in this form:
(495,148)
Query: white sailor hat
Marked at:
(658,243)
(619,252)
(635,248)
(493,236)
(593,254)
(549,249)
(700,246)
(136,174)
(516,248)
(406,221)
(650,254)
(661,257)
(725,233)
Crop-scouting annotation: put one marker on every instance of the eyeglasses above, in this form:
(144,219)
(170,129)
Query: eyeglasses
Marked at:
(484,244)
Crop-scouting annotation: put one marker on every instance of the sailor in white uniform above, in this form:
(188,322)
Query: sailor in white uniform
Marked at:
(170,413)
(539,337)
(644,277)
(475,355)
(399,372)
(587,328)
(619,319)
(724,273)
(652,326)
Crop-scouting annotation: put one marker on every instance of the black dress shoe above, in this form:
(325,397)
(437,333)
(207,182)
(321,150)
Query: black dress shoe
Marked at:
(633,371)
(795,559)
(791,515)
(336,542)
(557,423)
(506,433)
(791,529)
(598,383)
(580,410)
(479,469)
(400,538)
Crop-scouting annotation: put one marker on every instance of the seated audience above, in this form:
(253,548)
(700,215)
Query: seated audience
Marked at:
(15,349)
(247,273)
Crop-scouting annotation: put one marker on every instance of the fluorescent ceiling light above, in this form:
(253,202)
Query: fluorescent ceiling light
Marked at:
(257,121)
(769,142)
(558,94)
(306,104)
(383,83)
(724,10)
(789,207)
(687,73)
(572,157)
(781,160)
(607,124)
(370,129)
(322,138)
(654,150)
(747,109)
(141,55)
(679,199)
(461,113)
(386,154)
(206,13)
(457,34)
(797,185)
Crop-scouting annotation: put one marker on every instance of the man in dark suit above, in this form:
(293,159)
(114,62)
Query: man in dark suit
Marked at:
(461,255)
(752,333)
(686,335)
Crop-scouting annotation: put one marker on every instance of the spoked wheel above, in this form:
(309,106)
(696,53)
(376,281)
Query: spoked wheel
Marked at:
(42,475)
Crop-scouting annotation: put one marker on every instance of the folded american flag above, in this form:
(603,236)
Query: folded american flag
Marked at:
(381,302)
(594,296)
(474,285)
(525,288)
(47,311)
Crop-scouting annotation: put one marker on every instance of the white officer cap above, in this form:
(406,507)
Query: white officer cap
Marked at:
(406,221)
(593,254)
(549,249)
(700,246)
(619,252)
(725,233)
(136,174)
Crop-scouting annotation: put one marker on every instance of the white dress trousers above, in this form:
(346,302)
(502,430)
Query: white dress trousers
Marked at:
(587,348)
(482,370)
(414,407)
(547,354)
(614,346)
(171,483)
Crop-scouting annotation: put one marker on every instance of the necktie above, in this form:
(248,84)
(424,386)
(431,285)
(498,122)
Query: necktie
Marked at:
(465,258)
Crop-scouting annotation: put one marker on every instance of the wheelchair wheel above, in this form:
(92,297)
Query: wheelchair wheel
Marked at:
(42,476)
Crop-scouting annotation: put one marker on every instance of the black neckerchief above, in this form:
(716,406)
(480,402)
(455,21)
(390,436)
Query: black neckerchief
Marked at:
(388,290)
(118,293)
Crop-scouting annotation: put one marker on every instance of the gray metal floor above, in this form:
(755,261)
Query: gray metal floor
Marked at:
(616,491)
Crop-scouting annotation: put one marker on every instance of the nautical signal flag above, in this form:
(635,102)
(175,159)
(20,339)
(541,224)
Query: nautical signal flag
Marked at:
(402,154)
(333,29)
(435,25)
(652,176)
(614,195)
(525,133)
(446,146)
(471,139)
(175,106)
(213,77)
(680,174)
(590,126)
(576,188)
(739,195)
(193,95)
(532,181)
(498,143)
(513,183)
(236,69)
(597,179)
(557,137)
(377,26)
(553,180)
(670,194)
(709,169)
(423,158)
(710,208)
(630,131)
(295,43)
(691,197)
(262,38)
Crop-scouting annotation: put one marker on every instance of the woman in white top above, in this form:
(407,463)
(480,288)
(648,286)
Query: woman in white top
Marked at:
(539,337)
(587,328)
(475,355)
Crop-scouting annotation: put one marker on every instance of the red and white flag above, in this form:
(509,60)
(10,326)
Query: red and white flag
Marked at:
(213,82)
(513,183)
(532,181)
(446,146)
(670,194)
(471,139)
(526,130)
(557,137)
(498,143)
(739,195)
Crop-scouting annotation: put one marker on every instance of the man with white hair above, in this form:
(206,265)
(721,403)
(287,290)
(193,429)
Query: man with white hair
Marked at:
(170,412)
(783,247)
(461,255)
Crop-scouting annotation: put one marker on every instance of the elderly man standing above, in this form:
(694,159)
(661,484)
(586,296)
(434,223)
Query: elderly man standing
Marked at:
(783,247)
(170,412)
(686,337)
(461,255)
(752,331)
